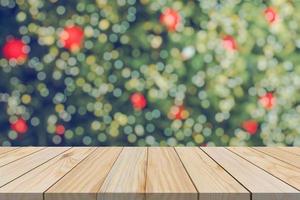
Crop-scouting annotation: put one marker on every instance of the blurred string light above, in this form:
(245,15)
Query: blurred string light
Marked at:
(151,73)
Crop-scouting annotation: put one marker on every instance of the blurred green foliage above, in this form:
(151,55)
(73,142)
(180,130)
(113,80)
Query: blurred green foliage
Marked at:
(222,89)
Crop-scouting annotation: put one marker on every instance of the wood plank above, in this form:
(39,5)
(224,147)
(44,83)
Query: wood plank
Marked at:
(261,184)
(166,176)
(85,180)
(32,185)
(127,178)
(282,170)
(280,154)
(17,154)
(18,168)
(164,173)
(4,150)
(294,150)
(210,179)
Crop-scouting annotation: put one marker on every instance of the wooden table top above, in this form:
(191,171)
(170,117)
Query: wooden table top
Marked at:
(162,173)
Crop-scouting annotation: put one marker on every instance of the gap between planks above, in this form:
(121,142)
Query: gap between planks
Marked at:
(275,166)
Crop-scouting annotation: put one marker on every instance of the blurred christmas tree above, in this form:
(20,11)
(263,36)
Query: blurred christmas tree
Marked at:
(149,72)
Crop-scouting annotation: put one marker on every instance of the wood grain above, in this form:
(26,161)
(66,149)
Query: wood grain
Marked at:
(166,176)
(17,154)
(261,184)
(85,180)
(18,168)
(141,173)
(280,154)
(4,150)
(32,185)
(294,150)
(210,179)
(127,178)
(282,170)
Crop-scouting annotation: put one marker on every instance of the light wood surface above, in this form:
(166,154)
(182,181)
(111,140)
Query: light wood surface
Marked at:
(32,185)
(17,154)
(20,167)
(166,176)
(85,180)
(284,171)
(4,150)
(294,150)
(212,181)
(261,184)
(149,173)
(127,178)
(281,154)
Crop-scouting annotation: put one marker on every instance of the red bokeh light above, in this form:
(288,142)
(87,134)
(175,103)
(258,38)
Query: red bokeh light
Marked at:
(20,126)
(59,129)
(271,15)
(72,38)
(138,101)
(170,18)
(268,101)
(15,49)
(178,112)
(229,43)
(250,126)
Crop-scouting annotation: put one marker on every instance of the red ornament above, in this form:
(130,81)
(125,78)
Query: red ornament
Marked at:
(229,43)
(268,101)
(59,129)
(15,49)
(72,38)
(20,126)
(178,112)
(250,126)
(170,18)
(138,101)
(271,15)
